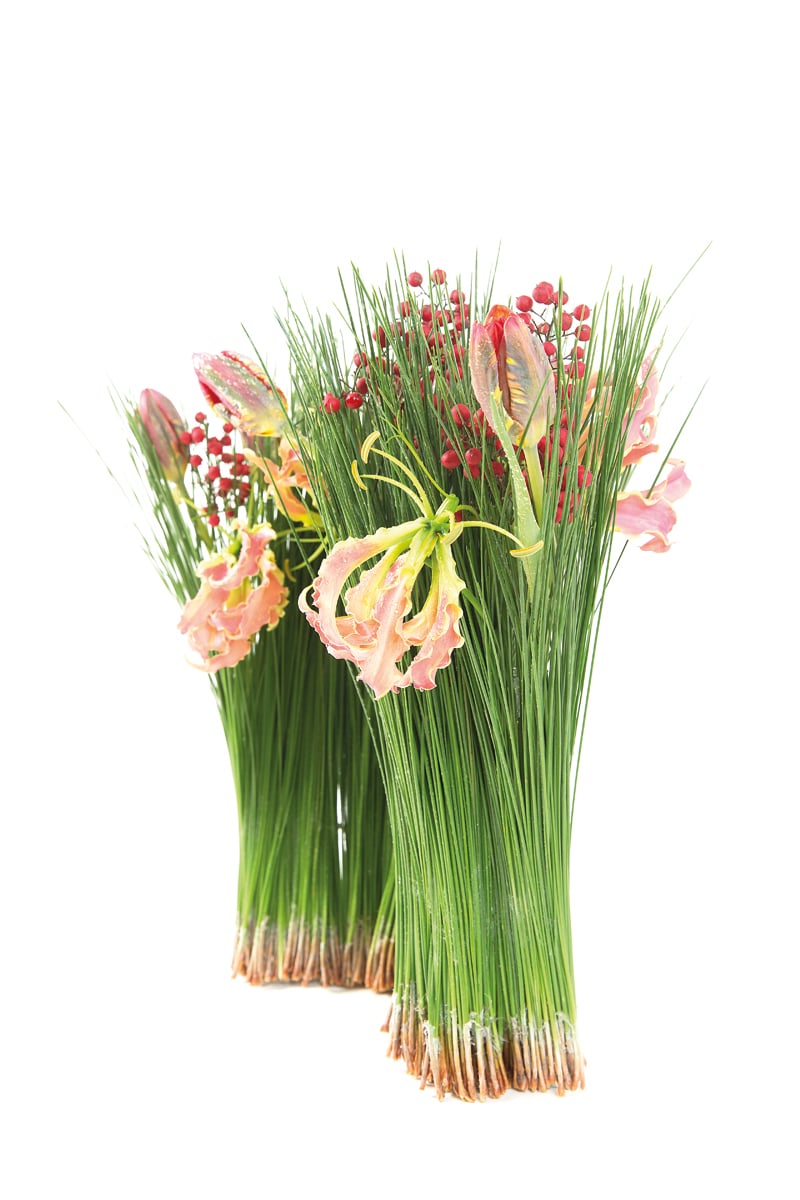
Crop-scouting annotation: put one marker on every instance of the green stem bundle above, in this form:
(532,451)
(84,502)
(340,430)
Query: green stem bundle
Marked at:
(480,771)
(315,858)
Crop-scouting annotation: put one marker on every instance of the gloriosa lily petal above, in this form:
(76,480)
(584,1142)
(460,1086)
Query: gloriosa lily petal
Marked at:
(242,591)
(639,439)
(375,633)
(285,480)
(653,516)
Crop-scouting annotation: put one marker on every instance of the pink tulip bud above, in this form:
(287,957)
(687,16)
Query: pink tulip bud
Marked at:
(252,404)
(164,426)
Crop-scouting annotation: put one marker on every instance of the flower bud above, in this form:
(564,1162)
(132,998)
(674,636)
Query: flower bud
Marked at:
(250,401)
(164,426)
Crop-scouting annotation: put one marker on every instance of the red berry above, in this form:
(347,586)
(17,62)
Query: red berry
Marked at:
(405,309)
(549,349)
(379,335)
(362,386)
(225,484)
(360,360)
(227,427)
(566,321)
(213,473)
(473,471)
(456,296)
(581,312)
(498,468)
(226,440)
(213,520)
(450,459)
(543,293)
(524,303)
(353,400)
(195,460)
(200,416)
(198,434)
(414,279)
(584,333)
(185,438)
(460,414)
(438,276)
(473,456)
(226,458)
(331,403)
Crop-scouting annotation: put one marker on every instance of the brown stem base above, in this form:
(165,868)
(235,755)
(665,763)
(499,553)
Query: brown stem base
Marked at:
(472,1061)
(296,955)
(379,972)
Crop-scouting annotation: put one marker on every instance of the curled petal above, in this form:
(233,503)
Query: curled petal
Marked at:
(340,564)
(442,636)
(374,633)
(241,591)
(283,481)
(653,516)
(639,439)
(229,570)
(257,408)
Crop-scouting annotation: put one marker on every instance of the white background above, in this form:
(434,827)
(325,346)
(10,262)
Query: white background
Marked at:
(167,168)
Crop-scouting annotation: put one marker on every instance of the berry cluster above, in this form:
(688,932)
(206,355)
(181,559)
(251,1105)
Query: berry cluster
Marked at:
(478,449)
(442,322)
(544,322)
(438,322)
(219,470)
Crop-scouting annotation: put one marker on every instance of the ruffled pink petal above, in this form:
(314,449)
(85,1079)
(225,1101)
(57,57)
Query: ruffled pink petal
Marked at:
(639,439)
(340,564)
(379,665)
(443,636)
(265,605)
(233,653)
(653,516)
(228,572)
(197,611)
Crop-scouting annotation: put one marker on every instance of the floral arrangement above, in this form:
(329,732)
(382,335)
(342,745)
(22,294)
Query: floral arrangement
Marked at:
(474,477)
(447,494)
(230,510)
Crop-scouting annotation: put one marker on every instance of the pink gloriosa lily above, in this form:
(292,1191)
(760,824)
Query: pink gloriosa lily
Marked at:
(376,631)
(652,516)
(253,405)
(241,591)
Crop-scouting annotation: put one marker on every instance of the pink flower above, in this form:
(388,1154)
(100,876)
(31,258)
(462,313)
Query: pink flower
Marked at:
(376,631)
(242,591)
(652,516)
(164,426)
(254,406)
